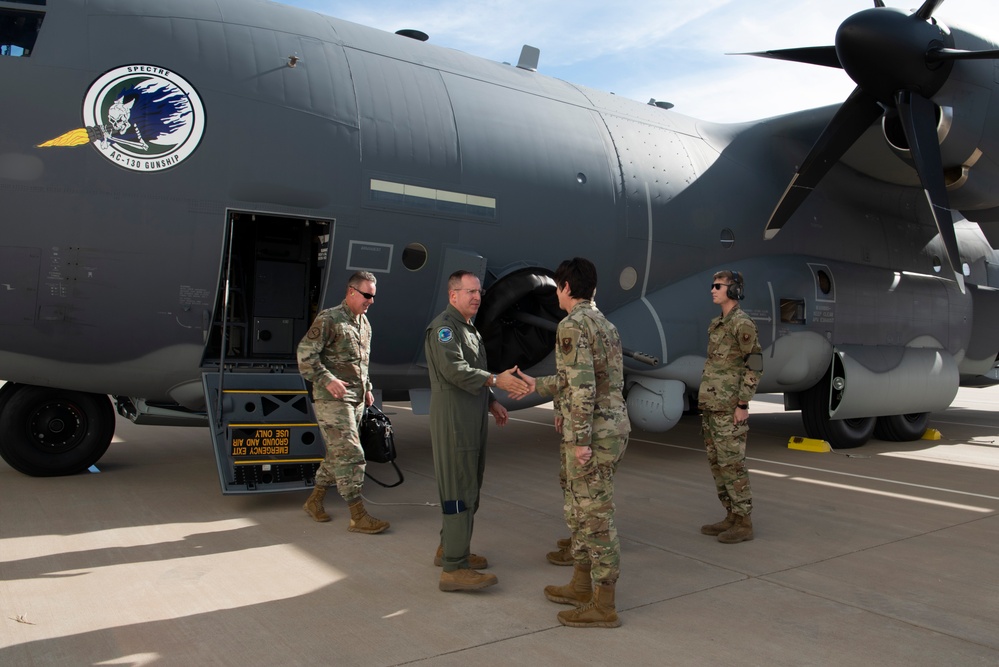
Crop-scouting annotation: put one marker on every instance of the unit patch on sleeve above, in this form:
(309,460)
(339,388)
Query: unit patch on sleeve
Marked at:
(567,345)
(444,335)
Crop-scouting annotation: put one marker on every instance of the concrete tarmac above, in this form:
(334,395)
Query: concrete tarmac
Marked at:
(883,555)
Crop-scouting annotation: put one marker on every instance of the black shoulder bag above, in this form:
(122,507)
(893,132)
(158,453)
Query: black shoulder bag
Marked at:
(378,442)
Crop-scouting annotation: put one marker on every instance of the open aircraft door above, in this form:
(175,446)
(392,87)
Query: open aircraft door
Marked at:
(262,425)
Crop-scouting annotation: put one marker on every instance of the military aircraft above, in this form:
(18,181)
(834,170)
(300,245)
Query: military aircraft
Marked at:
(184,185)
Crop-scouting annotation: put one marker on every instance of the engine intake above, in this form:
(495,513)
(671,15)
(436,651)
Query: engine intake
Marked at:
(509,340)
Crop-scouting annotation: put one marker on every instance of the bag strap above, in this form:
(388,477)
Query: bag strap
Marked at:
(376,411)
(387,486)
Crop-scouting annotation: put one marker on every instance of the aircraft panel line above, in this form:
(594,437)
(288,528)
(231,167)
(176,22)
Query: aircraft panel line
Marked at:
(645,282)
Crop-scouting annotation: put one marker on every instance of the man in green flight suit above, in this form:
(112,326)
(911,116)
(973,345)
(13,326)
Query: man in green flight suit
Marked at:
(460,400)
(727,385)
(588,392)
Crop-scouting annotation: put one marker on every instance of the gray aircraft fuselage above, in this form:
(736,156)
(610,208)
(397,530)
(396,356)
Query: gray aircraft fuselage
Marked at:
(417,160)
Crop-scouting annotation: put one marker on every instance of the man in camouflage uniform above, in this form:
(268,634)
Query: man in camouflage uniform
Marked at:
(460,401)
(727,385)
(588,393)
(334,356)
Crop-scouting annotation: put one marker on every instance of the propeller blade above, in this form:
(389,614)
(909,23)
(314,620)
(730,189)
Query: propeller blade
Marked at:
(811,55)
(938,55)
(851,120)
(926,11)
(920,126)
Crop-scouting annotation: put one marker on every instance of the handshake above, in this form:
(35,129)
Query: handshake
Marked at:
(516,383)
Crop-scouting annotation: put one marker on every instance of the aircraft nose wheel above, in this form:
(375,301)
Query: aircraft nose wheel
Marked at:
(48,432)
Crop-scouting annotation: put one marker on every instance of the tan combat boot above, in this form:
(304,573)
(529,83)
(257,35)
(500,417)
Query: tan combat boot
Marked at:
(475,562)
(362,522)
(564,554)
(720,527)
(314,505)
(466,580)
(597,613)
(742,531)
(579,591)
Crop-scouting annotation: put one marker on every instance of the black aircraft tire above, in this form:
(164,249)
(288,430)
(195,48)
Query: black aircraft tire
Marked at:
(48,432)
(6,391)
(839,433)
(850,433)
(901,428)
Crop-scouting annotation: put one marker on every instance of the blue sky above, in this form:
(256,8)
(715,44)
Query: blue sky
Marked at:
(671,50)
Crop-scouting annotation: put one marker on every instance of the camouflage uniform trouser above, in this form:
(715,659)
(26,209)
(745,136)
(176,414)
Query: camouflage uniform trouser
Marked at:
(591,519)
(725,443)
(344,462)
(570,517)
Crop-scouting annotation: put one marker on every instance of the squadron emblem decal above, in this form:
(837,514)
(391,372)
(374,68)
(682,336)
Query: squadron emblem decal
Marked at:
(140,117)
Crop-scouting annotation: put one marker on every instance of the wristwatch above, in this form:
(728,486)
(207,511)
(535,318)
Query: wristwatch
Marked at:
(743,406)
(493,380)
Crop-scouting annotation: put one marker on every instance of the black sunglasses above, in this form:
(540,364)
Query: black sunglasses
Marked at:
(720,285)
(367,296)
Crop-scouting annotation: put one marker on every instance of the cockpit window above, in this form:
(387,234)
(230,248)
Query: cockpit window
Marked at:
(19,30)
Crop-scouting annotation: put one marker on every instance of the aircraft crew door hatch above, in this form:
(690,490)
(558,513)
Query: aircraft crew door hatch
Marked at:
(273,272)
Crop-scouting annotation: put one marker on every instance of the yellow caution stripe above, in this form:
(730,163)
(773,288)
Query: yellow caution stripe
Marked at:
(275,462)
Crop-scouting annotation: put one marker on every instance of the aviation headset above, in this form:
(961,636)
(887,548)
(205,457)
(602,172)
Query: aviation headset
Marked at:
(735,290)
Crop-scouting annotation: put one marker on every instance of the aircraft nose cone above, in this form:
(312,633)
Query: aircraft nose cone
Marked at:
(884,51)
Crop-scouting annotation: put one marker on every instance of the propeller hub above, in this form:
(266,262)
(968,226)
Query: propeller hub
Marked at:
(884,51)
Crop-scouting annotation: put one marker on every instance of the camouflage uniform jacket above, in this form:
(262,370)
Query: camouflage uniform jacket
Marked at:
(726,380)
(338,345)
(588,387)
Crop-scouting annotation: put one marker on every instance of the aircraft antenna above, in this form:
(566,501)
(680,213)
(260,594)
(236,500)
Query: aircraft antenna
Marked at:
(529,58)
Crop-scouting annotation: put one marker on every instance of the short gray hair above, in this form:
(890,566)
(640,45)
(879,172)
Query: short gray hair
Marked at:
(360,277)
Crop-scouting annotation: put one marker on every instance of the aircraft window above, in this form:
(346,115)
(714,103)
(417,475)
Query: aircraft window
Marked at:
(936,264)
(727,238)
(414,257)
(792,311)
(18,31)
(628,278)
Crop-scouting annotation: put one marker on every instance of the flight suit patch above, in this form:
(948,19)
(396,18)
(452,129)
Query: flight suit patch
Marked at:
(445,335)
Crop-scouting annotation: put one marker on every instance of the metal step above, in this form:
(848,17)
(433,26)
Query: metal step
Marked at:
(263,430)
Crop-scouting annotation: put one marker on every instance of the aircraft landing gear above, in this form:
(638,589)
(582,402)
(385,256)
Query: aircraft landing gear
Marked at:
(839,433)
(901,428)
(47,432)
